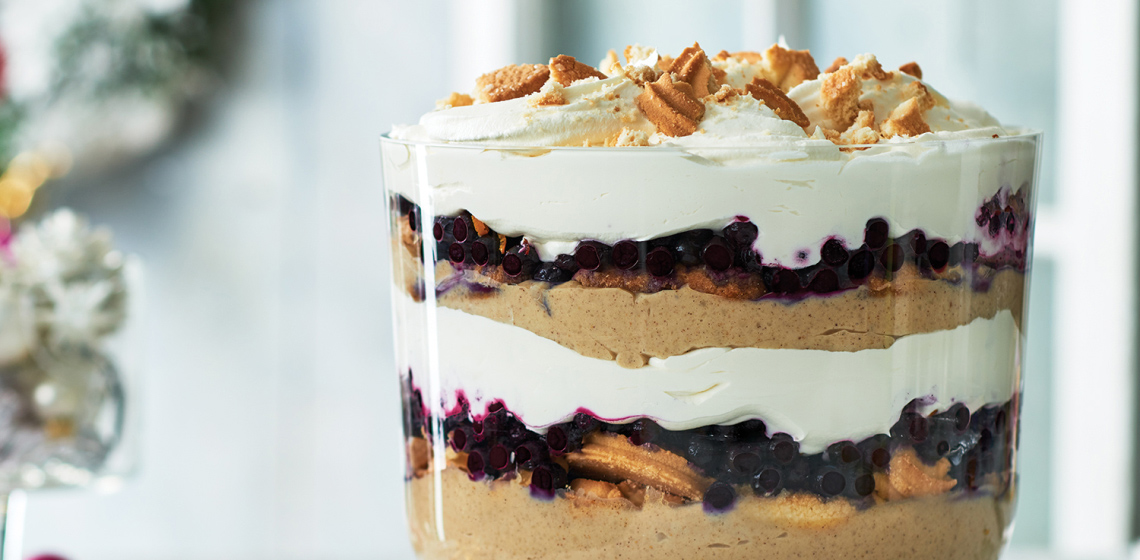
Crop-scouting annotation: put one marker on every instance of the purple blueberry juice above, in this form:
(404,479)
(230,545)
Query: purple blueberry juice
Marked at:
(702,306)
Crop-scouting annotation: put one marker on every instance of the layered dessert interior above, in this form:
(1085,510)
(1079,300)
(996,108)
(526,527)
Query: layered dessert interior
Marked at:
(715,306)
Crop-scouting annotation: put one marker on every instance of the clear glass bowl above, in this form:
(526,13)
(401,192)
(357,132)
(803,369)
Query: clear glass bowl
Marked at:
(721,352)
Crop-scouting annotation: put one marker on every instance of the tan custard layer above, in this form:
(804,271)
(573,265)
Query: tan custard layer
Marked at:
(616,324)
(502,520)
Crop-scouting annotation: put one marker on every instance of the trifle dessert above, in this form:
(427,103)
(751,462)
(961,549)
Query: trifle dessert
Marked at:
(709,306)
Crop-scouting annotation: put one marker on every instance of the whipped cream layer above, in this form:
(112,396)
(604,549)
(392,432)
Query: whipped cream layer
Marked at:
(817,397)
(799,195)
(595,110)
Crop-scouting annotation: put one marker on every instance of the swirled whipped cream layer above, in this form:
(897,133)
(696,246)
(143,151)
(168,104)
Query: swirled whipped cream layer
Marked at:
(770,140)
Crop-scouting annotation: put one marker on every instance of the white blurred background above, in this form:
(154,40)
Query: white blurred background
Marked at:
(271,422)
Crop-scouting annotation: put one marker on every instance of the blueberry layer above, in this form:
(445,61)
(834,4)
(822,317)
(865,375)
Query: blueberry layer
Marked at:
(737,457)
(728,257)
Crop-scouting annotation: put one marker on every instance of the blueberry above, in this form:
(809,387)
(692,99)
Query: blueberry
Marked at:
(751,431)
(783,448)
(720,433)
(750,260)
(995,224)
(413,218)
(876,233)
(437,229)
(461,228)
(548,478)
(590,254)
(767,481)
(745,461)
(556,439)
(688,246)
(861,265)
(874,451)
(917,242)
(831,482)
(833,253)
(512,264)
(719,497)
(476,463)
(516,433)
(911,426)
(644,431)
(1010,222)
(741,235)
(485,250)
(942,448)
(843,453)
(800,475)
(549,272)
(499,458)
(717,255)
(626,254)
(825,281)
(964,254)
(567,263)
(893,257)
(530,454)
(705,453)
(939,254)
(456,253)
(520,261)
(585,422)
(864,485)
(961,416)
(462,438)
(782,281)
(659,262)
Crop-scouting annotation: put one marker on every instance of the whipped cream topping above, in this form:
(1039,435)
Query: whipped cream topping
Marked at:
(947,119)
(597,111)
(815,396)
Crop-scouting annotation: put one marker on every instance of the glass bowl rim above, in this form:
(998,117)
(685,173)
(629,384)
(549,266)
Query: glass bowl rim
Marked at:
(1017,134)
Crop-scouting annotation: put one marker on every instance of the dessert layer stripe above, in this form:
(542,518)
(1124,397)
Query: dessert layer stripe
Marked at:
(818,397)
(799,196)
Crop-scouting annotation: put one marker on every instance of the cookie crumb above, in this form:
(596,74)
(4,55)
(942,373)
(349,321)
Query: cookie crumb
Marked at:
(456,99)
(911,69)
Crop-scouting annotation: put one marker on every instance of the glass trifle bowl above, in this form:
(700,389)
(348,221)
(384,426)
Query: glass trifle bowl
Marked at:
(699,349)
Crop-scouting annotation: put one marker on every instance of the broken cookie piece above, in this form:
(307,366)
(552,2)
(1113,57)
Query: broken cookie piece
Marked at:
(511,82)
(778,101)
(566,70)
(693,68)
(672,106)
